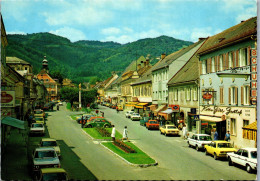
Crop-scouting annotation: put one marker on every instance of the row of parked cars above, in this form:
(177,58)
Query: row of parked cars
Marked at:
(112,106)
(91,120)
(246,157)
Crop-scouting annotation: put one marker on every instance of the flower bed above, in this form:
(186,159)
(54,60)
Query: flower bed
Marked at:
(103,132)
(120,144)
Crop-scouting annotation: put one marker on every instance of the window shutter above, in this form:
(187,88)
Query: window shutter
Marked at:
(221,95)
(249,95)
(229,95)
(207,68)
(237,58)
(210,70)
(233,59)
(216,63)
(248,56)
(213,96)
(227,61)
(236,89)
(200,67)
(242,95)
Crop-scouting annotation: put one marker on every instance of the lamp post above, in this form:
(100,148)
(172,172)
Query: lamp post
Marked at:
(80,96)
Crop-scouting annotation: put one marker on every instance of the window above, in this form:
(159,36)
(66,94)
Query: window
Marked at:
(25,68)
(245,95)
(221,63)
(221,92)
(233,126)
(213,64)
(176,95)
(245,122)
(230,60)
(204,65)
(243,57)
(195,93)
(47,80)
(233,95)
(245,153)
(188,94)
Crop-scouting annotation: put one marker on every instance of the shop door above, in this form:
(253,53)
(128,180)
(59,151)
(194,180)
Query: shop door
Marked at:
(221,128)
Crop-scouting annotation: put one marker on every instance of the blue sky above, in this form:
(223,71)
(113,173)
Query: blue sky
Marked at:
(125,21)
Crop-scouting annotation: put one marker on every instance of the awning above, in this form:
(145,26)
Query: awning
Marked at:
(145,99)
(167,111)
(160,108)
(140,105)
(152,107)
(131,103)
(252,126)
(210,118)
(13,122)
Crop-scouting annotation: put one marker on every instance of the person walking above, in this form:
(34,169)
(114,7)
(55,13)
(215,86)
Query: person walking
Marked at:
(215,135)
(227,136)
(125,134)
(113,134)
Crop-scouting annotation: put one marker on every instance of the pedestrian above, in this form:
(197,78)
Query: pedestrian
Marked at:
(184,132)
(227,136)
(125,134)
(117,109)
(113,134)
(215,135)
(58,108)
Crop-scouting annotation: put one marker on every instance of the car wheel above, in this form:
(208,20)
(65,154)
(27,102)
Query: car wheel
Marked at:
(165,134)
(206,152)
(215,156)
(161,132)
(248,168)
(230,163)
(197,148)
(106,126)
(89,126)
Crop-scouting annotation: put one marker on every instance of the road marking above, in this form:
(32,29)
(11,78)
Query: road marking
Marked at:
(96,142)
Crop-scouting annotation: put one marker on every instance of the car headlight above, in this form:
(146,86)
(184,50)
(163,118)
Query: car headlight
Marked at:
(36,166)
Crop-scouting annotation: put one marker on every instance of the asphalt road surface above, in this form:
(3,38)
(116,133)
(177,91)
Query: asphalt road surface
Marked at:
(86,159)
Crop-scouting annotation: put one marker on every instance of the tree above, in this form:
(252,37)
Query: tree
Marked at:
(93,80)
(88,97)
(57,75)
(70,93)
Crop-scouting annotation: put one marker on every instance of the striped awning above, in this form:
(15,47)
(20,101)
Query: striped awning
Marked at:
(131,103)
(141,105)
(252,126)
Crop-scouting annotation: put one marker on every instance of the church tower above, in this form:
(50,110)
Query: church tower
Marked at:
(45,65)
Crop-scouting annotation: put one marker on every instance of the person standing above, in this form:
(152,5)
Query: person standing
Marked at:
(227,136)
(125,134)
(113,134)
(58,108)
(184,132)
(215,135)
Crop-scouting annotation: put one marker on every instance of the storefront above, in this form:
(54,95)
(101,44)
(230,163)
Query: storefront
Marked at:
(130,105)
(141,108)
(160,108)
(167,114)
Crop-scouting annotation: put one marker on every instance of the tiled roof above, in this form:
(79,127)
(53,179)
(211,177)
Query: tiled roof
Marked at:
(231,35)
(252,126)
(15,60)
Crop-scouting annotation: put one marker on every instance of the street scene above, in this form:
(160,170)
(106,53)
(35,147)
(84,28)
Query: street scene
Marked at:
(95,100)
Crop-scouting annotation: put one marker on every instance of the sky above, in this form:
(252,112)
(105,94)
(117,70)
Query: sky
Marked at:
(125,21)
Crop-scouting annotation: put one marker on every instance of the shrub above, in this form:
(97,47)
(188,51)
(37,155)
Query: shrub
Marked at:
(103,132)
(120,144)
(68,106)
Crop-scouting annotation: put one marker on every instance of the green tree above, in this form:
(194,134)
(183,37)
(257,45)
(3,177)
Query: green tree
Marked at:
(93,80)
(88,97)
(70,93)
(57,75)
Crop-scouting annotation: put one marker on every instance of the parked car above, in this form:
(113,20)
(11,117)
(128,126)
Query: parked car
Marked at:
(152,124)
(135,117)
(46,107)
(98,122)
(169,129)
(52,143)
(93,106)
(120,108)
(60,104)
(37,128)
(199,141)
(39,113)
(45,157)
(128,114)
(38,120)
(52,174)
(93,117)
(144,120)
(107,104)
(113,106)
(110,105)
(219,149)
(85,117)
(246,157)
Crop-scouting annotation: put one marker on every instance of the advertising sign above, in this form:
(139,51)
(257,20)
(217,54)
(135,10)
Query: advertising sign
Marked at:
(7,99)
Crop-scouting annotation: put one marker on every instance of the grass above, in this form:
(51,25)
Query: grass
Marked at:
(136,158)
(95,134)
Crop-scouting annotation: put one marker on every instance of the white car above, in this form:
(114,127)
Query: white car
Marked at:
(128,114)
(199,141)
(37,128)
(246,157)
(60,103)
(52,143)
(135,116)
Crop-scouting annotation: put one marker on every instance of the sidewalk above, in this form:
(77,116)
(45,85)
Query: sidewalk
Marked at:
(14,164)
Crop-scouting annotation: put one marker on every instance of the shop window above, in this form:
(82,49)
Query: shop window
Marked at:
(243,57)
(233,126)
(245,122)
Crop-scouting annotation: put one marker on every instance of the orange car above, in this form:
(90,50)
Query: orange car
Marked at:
(90,119)
(152,124)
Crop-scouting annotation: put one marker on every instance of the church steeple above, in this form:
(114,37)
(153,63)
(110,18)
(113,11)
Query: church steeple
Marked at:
(45,65)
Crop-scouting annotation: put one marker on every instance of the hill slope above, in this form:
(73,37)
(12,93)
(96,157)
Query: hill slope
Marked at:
(84,59)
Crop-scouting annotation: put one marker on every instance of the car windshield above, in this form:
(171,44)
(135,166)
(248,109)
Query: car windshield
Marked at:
(43,154)
(171,127)
(136,114)
(37,125)
(146,118)
(38,112)
(49,143)
(254,154)
(205,138)
(224,145)
(153,122)
(54,176)
(38,118)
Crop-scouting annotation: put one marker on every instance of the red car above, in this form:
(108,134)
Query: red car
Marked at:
(91,118)
(152,124)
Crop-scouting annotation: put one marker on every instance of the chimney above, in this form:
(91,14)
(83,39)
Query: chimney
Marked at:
(147,62)
(163,55)
(138,66)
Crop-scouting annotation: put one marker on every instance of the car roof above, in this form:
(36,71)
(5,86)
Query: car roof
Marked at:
(221,141)
(44,149)
(53,170)
(48,139)
(249,149)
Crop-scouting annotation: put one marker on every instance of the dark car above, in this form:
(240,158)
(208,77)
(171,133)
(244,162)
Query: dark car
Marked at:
(98,122)
(144,120)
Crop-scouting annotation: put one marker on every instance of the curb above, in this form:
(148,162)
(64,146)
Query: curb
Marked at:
(136,165)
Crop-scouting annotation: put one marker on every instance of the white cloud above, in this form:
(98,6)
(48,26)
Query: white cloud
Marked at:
(70,33)
(248,13)
(16,32)
(197,33)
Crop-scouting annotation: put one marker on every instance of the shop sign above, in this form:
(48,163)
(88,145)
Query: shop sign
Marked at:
(6,112)
(8,99)
(253,76)
(207,96)
(175,108)
(225,111)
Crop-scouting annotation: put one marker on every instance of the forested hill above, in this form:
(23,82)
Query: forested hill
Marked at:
(84,59)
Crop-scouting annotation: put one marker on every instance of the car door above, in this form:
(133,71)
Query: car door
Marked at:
(193,140)
(243,158)
(236,156)
(212,147)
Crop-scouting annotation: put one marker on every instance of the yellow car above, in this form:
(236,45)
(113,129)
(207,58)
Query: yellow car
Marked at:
(219,149)
(120,108)
(169,129)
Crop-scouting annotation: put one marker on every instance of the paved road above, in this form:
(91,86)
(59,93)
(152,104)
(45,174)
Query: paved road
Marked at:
(85,159)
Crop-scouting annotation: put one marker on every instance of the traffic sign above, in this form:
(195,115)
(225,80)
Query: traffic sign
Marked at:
(196,117)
